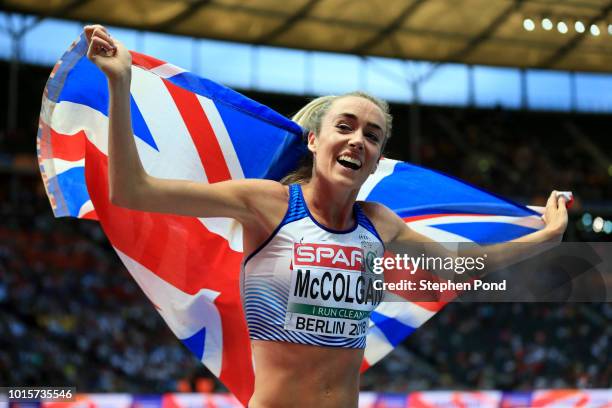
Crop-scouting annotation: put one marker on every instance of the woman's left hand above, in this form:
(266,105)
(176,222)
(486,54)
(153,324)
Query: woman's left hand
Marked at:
(555,215)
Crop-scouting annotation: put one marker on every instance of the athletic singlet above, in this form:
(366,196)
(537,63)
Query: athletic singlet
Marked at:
(309,284)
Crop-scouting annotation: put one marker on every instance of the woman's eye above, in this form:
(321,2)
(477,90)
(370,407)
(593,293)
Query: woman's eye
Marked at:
(343,126)
(373,137)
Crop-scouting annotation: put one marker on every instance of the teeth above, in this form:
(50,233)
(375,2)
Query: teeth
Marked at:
(356,162)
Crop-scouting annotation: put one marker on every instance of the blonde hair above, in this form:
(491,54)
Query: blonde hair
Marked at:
(310,118)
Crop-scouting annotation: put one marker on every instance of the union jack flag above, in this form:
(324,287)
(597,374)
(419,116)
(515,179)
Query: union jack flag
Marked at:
(187,127)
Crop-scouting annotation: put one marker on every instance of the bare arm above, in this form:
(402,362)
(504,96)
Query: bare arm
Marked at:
(400,238)
(129,184)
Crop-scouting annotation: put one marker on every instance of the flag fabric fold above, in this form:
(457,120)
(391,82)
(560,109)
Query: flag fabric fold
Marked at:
(187,127)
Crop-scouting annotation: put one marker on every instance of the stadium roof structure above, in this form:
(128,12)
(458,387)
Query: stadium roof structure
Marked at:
(480,32)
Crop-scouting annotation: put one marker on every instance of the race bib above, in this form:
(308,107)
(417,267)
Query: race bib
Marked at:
(331,291)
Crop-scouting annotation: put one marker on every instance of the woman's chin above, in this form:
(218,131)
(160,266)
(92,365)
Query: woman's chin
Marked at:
(350,180)
(343,177)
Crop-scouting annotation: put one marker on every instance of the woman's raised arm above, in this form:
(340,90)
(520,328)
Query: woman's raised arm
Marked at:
(401,239)
(129,184)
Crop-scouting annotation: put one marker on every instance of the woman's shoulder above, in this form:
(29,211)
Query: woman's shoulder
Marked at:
(375,210)
(267,201)
(260,190)
(253,186)
(386,222)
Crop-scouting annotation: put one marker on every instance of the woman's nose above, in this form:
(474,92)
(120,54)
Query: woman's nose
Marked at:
(357,140)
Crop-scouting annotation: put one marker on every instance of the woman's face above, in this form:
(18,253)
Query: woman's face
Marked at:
(349,143)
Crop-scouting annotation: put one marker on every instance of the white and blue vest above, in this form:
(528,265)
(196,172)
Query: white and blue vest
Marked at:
(309,284)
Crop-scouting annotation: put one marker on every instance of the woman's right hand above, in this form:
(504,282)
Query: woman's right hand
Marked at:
(107,53)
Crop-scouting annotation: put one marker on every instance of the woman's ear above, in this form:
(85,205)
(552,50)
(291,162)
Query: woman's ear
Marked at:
(312,142)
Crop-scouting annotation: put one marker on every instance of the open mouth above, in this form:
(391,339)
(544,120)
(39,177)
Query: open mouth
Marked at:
(349,162)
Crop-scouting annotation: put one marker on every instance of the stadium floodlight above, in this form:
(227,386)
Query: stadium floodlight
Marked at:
(579,26)
(547,24)
(528,24)
(562,27)
(598,224)
(587,219)
(594,30)
(607,228)
(610,29)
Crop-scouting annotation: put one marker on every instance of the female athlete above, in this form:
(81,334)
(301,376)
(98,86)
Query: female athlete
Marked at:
(295,236)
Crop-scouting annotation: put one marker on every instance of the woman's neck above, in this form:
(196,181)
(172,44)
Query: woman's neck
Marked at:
(330,205)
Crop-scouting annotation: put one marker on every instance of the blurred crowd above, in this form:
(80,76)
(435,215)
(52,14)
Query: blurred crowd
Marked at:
(71,314)
(505,346)
(523,155)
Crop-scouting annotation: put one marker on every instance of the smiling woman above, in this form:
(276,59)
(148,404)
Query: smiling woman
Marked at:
(307,314)
(311,117)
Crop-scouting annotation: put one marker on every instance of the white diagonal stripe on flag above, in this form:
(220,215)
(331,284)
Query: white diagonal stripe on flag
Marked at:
(152,97)
(385,168)
(167,70)
(225,143)
(185,314)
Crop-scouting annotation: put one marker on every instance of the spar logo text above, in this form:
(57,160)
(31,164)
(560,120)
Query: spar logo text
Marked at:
(326,272)
(328,256)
